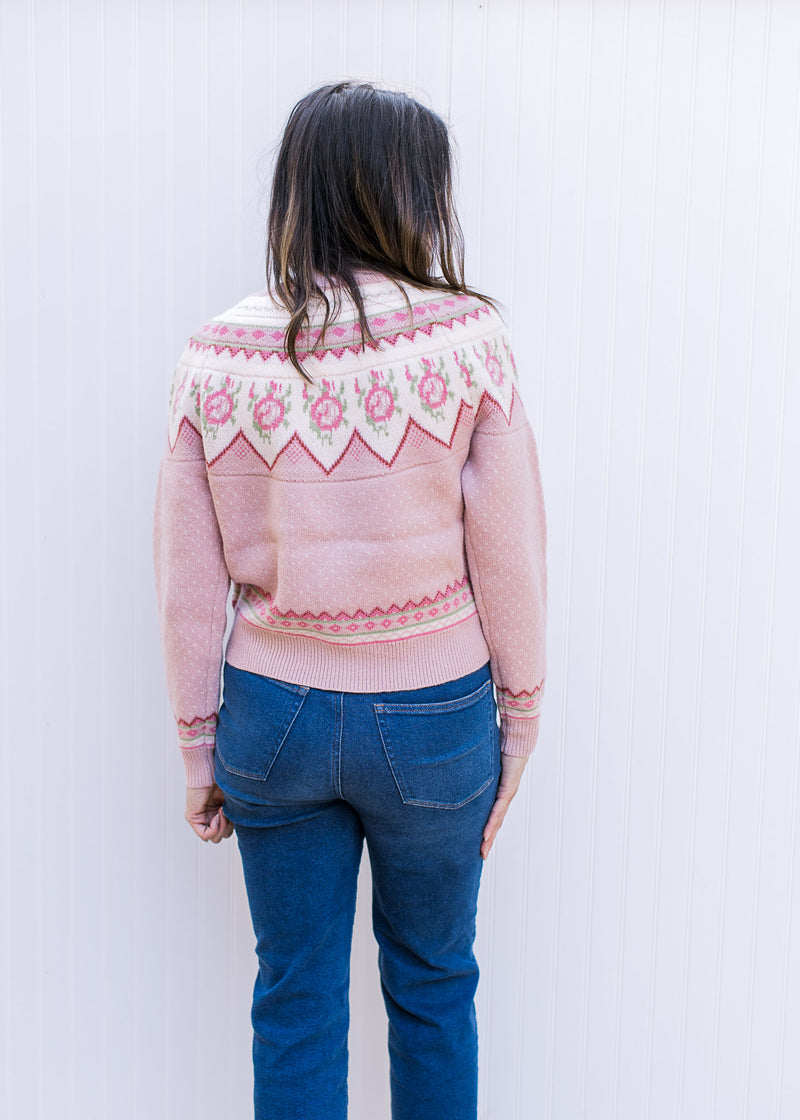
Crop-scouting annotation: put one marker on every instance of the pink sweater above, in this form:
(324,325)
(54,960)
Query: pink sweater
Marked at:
(382,530)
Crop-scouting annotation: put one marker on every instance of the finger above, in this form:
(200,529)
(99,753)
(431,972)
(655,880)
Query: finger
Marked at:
(203,830)
(199,828)
(490,833)
(223,827)
(496,815)
(488,839)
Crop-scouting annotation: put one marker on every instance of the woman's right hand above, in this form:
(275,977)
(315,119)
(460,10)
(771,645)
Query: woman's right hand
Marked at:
(511,768)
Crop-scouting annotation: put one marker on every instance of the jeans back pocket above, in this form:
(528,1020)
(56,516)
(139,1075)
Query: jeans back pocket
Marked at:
(442,754)
(255,718)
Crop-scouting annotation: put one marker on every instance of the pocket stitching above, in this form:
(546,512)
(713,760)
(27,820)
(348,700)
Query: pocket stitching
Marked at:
(436,706)
(412,709)
(448,804)
(291,716)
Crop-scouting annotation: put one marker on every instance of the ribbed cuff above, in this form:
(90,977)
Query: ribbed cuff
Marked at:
(199,763)
(518,735)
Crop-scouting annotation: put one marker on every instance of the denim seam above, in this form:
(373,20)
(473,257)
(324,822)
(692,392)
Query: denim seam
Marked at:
(386,741)
(389,757)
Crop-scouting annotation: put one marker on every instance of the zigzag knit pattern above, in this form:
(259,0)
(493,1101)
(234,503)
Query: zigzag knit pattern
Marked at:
(452,605)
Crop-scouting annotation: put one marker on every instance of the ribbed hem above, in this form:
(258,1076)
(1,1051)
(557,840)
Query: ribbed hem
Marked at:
(382,666)
(518,736)
(199,763)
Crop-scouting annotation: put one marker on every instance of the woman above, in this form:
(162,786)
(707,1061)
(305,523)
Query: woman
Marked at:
(348,451)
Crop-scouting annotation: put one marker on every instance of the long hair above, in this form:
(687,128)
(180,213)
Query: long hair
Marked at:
(363,181)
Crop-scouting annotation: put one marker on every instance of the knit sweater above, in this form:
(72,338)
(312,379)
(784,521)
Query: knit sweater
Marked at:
(381,529)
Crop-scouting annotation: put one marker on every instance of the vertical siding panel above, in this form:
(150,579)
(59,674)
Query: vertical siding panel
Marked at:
(758,483)
(767,419)
(25,993)
(431,55)
(22,1050)
(709,768)
(53,470)
(688,581)
(9,819)
(786,665)
(741,771)
(118,251)
(73,576)
(83,653)
(673,821)
(362,31)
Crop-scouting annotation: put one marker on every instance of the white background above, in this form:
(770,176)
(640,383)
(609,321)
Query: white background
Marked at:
(629,188)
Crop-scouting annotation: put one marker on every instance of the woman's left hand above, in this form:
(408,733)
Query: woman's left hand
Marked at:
(204,813)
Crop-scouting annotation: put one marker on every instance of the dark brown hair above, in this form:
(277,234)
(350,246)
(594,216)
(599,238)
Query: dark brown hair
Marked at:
(363,181)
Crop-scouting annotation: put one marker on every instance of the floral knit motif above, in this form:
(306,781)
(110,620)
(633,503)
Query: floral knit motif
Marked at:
(219,405)
(269,409)
(377,403)
(432,387)
(378,398)
(492,362)
(326,410)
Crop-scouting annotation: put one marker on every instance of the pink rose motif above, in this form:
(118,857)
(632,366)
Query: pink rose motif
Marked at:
(493,367)
(433,389)
(379,403)
(326,412)
(218,407)
(268,413)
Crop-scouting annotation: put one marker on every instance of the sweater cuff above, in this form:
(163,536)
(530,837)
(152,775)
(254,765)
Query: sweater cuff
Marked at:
(518,735)
(199,763)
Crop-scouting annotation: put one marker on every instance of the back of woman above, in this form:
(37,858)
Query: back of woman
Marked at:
(348,449)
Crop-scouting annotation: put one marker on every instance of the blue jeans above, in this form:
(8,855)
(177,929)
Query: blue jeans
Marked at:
(309,774)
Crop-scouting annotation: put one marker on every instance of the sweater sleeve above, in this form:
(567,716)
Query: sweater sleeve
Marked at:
(192,581)
(505,538)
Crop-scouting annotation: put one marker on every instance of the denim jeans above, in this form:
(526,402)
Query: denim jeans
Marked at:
(308,774)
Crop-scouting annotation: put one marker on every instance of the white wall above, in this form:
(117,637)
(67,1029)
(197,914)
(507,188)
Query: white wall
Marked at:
(630,189)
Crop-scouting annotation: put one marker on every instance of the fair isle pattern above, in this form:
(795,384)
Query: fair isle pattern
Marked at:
(200,732)
(377,405)
(520,704)
(452,605)
(225,334)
